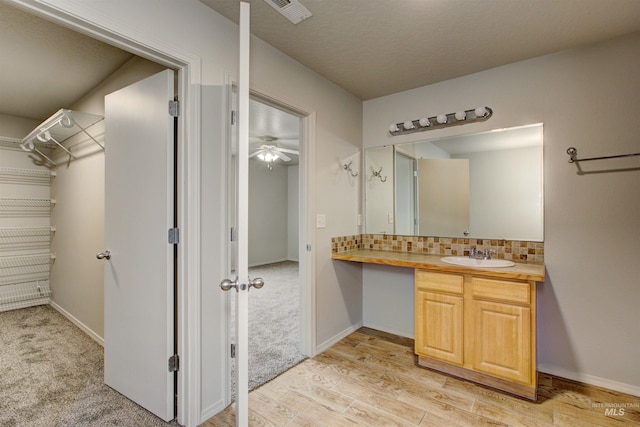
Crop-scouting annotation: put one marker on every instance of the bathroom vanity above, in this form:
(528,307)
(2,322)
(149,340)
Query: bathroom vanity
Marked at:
(478,323)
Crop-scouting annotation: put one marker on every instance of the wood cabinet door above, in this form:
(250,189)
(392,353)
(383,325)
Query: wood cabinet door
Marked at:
(502,340)
(439,326)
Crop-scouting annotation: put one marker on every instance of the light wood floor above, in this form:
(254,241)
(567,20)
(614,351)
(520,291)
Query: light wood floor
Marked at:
(369,378)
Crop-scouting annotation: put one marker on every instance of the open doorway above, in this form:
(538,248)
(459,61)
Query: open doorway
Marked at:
(275,251)
(74,215)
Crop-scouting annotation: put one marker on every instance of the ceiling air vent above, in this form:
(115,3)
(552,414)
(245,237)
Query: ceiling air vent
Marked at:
(291,9)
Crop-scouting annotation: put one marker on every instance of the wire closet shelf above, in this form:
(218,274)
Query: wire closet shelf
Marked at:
(61,126)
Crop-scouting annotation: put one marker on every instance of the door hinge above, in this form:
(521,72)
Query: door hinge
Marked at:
(174,363)
(233,117)
(174,236)
(308,248)
(233,351)
(234,234)
(174,108)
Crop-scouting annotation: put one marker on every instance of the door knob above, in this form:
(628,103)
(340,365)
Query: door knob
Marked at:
(104,255)
(227,284)
(257,283)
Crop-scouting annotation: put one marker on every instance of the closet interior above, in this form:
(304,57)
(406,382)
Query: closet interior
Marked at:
(27,169)
(52,203)
(52,164)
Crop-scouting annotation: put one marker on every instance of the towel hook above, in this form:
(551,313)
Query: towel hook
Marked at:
(347,167)
(378,174)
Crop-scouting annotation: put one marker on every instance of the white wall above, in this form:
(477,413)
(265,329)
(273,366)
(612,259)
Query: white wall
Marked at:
(273,213)
(587,97)
(16,127)
(516,173)
(267,213)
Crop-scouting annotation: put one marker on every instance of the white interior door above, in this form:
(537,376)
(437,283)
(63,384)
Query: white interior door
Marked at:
(139,278)
(242,283)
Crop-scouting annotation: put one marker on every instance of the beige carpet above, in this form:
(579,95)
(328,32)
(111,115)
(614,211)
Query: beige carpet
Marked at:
(51,374)
(274,323)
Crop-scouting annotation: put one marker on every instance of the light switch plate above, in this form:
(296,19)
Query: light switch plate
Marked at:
(390,218)
(359,219)
(321,221)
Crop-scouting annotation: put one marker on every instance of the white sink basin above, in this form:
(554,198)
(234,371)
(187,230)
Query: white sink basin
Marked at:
(472,262)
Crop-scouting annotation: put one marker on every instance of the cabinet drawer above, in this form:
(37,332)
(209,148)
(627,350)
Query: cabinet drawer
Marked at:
(450,283)
(499,290)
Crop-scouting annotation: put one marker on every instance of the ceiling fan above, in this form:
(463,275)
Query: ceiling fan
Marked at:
(269,151)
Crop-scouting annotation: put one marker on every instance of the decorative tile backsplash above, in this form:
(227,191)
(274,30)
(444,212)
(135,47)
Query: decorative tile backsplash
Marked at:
(515,250)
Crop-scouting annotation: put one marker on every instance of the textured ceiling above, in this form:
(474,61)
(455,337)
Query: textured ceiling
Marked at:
(374,48)
(369,47)
(46,67)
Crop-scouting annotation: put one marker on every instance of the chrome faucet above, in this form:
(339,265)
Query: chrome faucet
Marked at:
(479,254)
(487,254)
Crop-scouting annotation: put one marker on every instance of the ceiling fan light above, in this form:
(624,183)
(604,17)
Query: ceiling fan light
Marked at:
(268,156)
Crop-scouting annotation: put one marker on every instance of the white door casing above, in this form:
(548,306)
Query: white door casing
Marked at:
(139,276)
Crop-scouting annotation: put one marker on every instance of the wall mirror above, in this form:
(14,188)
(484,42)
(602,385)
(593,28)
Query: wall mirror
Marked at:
(486,185)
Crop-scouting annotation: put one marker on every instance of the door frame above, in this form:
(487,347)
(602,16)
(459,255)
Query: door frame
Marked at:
(306,212)
(188,65)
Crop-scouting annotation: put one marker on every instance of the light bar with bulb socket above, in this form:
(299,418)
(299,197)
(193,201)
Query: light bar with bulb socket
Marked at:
(440,121)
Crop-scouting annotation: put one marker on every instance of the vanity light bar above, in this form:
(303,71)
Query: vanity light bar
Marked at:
(440,121)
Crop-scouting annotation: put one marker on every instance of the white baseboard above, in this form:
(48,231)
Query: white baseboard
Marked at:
(590,379)
(97,338)
(397,332)
(336,338)
(260,264)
